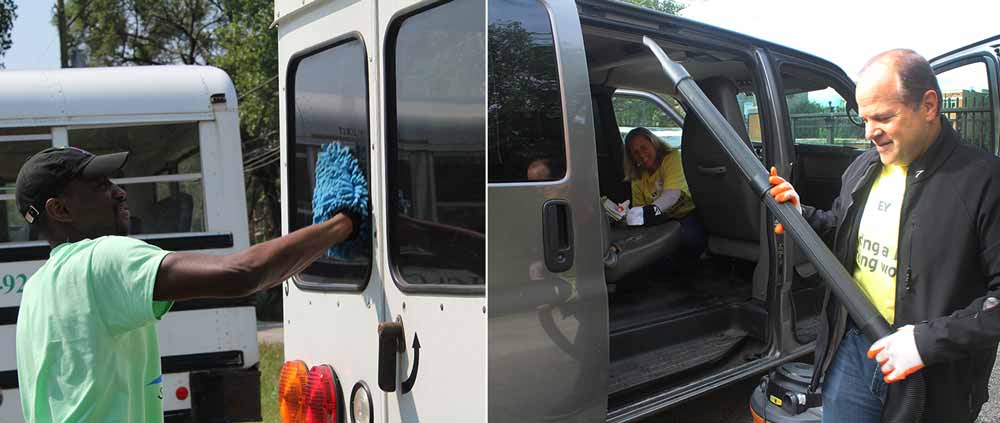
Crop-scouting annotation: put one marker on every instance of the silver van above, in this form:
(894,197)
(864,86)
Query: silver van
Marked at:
(592,321)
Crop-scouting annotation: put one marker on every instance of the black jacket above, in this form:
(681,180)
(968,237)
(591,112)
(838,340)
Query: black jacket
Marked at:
(948,264)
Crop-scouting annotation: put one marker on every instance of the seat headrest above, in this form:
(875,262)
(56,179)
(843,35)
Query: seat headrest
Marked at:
(722,93)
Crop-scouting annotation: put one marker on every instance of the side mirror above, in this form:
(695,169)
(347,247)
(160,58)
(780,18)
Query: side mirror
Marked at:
(854,117)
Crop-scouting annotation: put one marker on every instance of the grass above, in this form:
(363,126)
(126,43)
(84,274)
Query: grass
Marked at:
(271,358)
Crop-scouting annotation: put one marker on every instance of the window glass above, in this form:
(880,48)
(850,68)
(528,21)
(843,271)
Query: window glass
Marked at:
(632,111)
(526,140)
(965,101)
(817,112)
(13,154)
(436,155)
(751,116)
(330,103)
(162,175)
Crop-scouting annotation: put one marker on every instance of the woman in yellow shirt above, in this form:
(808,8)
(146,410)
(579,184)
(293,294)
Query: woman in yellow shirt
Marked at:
(659,190)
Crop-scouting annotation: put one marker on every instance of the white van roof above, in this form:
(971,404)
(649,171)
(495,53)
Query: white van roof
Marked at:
(96,95)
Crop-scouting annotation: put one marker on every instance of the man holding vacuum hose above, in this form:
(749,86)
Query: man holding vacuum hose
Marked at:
(917,223)
(87,347)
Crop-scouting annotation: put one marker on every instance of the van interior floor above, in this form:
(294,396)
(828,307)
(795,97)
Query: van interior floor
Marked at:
(658,295)
(681,322)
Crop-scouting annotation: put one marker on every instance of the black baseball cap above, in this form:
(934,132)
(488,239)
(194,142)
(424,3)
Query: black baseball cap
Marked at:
(46,174)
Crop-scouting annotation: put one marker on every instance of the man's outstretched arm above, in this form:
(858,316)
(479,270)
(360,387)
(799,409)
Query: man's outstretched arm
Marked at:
(184,276)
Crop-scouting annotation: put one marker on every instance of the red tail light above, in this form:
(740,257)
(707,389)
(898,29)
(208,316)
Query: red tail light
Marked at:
(321,406)
(292,391)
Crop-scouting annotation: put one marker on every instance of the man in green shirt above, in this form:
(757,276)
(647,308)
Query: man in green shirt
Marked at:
(87,348)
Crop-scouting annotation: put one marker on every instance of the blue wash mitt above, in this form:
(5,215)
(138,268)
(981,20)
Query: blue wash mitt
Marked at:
(341,186)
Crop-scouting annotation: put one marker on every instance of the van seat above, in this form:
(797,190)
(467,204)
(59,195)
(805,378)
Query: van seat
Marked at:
(630,249)
(627,249)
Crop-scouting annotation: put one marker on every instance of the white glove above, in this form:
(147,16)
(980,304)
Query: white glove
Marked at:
(897,354)
(667,199)
(634,217)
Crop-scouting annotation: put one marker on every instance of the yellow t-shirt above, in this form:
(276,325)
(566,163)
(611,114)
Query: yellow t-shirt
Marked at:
(878,236)
(670,175)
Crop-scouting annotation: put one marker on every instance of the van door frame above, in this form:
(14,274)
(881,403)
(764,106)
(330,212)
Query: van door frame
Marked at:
(992,62)
(785,161)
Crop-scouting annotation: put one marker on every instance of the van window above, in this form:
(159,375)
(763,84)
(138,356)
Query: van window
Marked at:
(162,175)
(817,112)
(632,111)
(751,115)
(328,102)
(436,95)
(526,141)
(965,101)
(13,154)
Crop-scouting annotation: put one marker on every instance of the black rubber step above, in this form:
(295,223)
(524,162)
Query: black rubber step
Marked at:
(634,371)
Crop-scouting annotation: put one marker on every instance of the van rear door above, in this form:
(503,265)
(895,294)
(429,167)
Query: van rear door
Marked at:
(548,317)
(435,206)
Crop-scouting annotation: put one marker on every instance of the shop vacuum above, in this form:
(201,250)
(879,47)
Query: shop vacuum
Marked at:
(782,396)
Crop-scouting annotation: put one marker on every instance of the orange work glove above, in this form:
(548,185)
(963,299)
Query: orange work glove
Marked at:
(782,191)
(897,354)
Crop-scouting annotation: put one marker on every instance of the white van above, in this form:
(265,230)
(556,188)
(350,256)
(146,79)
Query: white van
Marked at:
(184,179)
(401,83)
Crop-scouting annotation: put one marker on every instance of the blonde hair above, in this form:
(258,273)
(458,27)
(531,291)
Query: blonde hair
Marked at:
(632,170)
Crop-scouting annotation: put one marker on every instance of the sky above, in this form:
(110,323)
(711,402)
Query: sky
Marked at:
(35,41)
(846,32)
(849,32)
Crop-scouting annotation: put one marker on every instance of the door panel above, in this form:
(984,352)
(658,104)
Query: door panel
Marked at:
(435,202)
(548,331)
(329,63)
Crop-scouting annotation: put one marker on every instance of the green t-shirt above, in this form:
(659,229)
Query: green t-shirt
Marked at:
(86,341)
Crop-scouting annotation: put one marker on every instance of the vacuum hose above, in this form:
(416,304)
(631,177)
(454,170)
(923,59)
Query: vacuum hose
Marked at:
(908,409)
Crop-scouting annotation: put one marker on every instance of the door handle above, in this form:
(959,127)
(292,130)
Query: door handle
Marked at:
(557,235)
(390,343)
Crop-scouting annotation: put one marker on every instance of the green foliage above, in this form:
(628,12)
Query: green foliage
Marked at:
(143,32)
(272,357)
(249,53)
(8,13)
(672,7)
(638,112)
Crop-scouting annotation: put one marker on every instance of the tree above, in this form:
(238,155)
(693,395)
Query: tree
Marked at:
(144,32)
(249,53)
(8,13)
(672,7)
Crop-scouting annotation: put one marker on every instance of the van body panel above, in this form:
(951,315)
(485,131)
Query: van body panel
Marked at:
(548,343)
(450,382)
(324,327)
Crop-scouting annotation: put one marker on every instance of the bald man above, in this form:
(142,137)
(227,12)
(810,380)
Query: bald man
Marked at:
(917,223)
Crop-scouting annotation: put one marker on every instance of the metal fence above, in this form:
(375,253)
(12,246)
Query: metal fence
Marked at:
(974,122)
(827,128)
